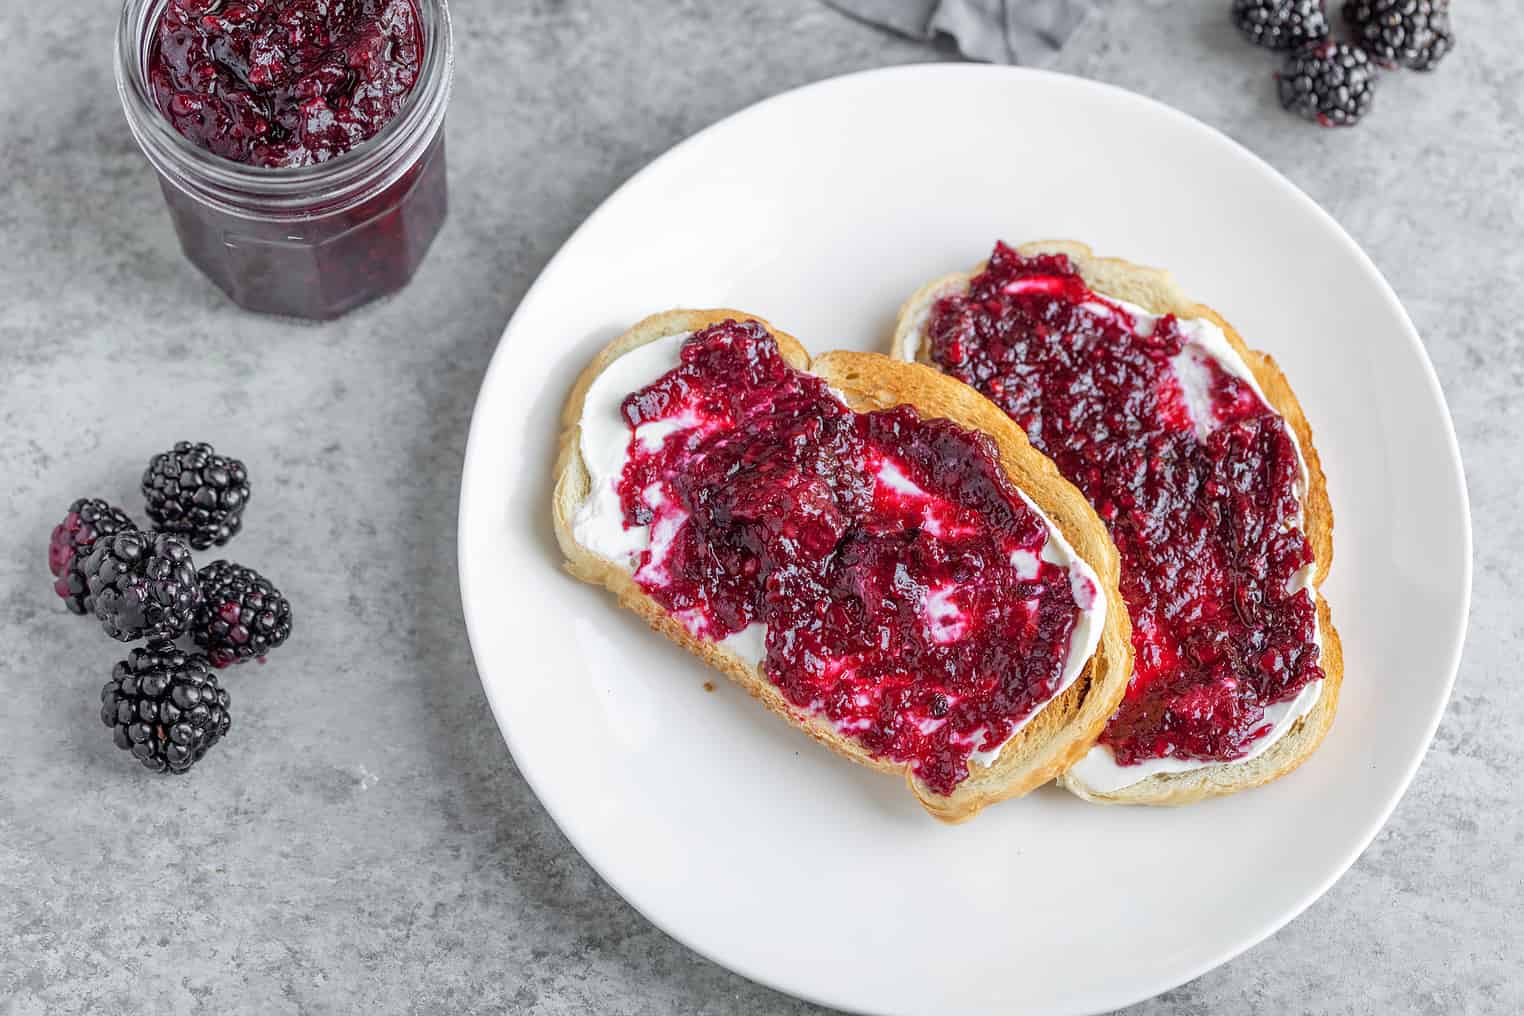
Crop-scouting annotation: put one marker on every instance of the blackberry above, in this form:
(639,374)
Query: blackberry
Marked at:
(242,614)
(142,585)
(196,494)
(164,705)
(1331,84)
(1412,33)
(88,520)
(1281,24)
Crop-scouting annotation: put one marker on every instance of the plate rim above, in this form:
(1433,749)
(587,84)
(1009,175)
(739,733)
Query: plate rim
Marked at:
(475,442)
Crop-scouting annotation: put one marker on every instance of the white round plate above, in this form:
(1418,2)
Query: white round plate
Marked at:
(822,210)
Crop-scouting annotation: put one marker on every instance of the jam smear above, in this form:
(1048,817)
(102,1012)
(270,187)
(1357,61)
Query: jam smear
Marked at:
(282,83)
(898,571)
(1204,512)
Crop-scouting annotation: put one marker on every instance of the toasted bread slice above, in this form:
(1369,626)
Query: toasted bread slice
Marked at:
(1063,729)
(1156,291)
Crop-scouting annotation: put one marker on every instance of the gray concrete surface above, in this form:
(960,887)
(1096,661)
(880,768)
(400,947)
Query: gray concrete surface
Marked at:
(362,842)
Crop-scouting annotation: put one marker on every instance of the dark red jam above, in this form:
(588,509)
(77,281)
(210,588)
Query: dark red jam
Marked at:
(284,82)
(1206,526)
(320,265)
(898,571)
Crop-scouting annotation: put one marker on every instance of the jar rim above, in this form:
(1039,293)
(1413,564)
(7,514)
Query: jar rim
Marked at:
(324,187)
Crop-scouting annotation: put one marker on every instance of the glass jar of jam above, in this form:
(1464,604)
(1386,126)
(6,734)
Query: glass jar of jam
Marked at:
(299,143)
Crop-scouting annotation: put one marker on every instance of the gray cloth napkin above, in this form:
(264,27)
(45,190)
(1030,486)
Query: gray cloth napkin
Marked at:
(996,31)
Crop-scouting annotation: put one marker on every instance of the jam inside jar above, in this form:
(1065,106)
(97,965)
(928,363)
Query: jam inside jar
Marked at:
(300,152)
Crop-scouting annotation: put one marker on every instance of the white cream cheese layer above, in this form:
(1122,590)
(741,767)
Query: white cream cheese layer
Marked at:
(599,522)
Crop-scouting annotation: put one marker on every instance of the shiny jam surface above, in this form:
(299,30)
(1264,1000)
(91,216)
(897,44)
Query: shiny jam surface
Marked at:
(1203,506)
(899,573)
(283,83)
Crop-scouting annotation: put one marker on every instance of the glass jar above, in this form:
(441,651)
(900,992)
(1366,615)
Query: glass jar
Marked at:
(310,241)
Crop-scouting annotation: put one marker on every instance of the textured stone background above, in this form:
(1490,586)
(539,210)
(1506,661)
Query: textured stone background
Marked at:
(363,842)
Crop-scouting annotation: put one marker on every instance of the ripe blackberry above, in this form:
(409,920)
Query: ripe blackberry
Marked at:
(1413,33)
(164,705)
(196,494)
(142,585)
(88,520)
(1281,24)
(1331,84)
(242,614)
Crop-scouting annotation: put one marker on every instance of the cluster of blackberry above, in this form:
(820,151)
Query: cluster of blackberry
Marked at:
(163,702)
(1333,83)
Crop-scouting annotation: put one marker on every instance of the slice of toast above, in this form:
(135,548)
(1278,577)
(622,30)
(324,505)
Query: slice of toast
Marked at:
(1062,730)
(1156,291)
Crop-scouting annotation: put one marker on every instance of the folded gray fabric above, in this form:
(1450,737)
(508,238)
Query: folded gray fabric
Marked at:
(996,31)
